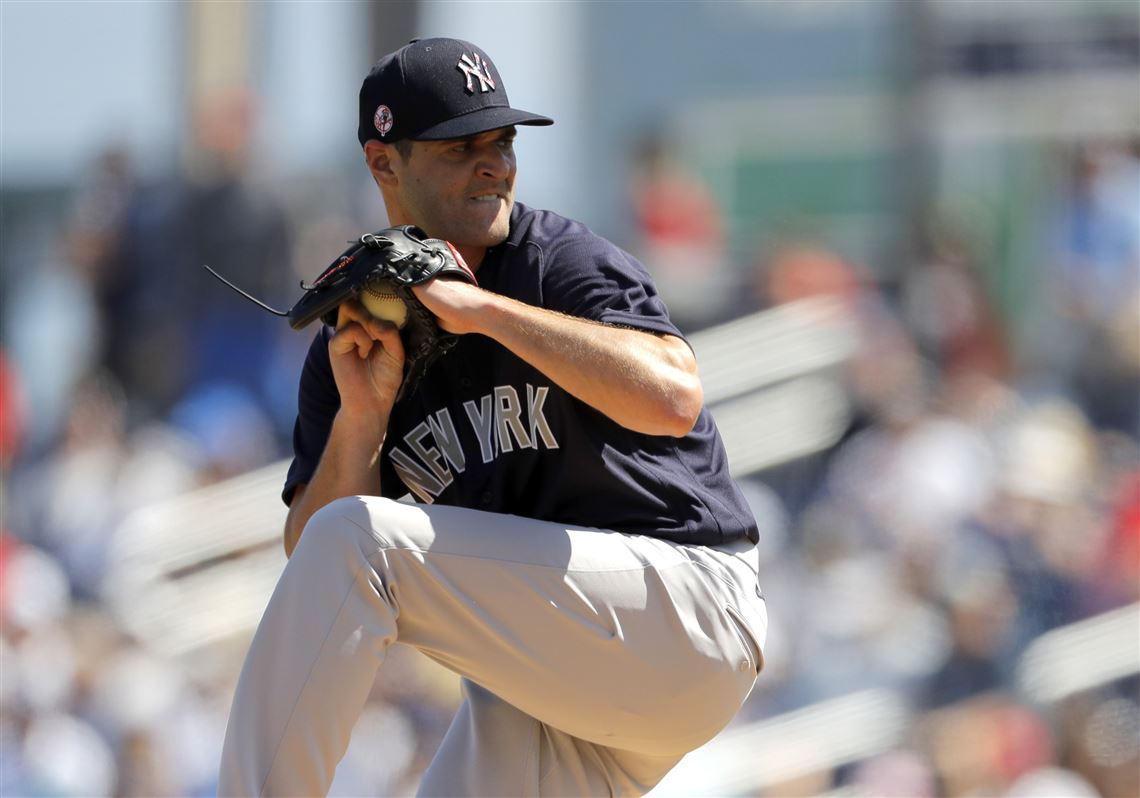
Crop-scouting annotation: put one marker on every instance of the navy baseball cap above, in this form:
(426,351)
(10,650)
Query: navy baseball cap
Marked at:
(433,89)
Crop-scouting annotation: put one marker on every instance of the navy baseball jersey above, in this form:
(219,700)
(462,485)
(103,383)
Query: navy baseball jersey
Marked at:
(485,430)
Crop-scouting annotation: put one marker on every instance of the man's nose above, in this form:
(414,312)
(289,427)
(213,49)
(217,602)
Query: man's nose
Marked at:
(495,163)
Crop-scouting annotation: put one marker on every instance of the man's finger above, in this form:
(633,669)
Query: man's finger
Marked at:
(349,312)
(378,329)
(351,336)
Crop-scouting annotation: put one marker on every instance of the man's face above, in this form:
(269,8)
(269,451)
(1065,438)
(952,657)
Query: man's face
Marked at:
(460,190)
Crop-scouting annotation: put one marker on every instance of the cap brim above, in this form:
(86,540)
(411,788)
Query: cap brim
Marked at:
(480,121)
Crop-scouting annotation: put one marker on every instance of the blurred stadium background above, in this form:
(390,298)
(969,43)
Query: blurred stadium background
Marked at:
(904,239)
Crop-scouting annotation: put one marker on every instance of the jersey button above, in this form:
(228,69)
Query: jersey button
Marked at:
(486,498)
(464,382)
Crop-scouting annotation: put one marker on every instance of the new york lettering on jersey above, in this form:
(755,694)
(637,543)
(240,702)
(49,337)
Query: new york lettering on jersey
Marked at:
(500,422)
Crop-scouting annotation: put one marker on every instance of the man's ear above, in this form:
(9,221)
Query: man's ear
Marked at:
(379,156)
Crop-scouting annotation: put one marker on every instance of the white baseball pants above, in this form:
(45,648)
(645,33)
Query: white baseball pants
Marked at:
(592,661)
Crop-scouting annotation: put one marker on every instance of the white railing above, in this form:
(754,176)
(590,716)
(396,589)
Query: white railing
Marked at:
(748,758)
(198,569)
(816,738)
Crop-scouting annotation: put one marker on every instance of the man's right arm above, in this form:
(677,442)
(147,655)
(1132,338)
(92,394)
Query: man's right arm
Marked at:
(367,360)
(349,466)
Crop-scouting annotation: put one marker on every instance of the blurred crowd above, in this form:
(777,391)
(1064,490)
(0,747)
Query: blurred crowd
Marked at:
(128,376)
(986,492)
(987,489)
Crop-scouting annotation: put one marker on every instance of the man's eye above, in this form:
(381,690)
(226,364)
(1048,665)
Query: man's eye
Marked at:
(462,146)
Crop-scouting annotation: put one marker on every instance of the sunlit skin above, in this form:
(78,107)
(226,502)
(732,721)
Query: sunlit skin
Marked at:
(462,190)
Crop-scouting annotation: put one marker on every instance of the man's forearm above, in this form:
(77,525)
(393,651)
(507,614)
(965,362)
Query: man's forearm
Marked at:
(645,382)
(349,466)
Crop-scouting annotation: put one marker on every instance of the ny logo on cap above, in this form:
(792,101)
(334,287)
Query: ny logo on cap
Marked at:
(476,69)
(383,120)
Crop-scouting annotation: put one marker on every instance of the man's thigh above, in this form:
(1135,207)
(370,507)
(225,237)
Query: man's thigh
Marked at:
(620,640)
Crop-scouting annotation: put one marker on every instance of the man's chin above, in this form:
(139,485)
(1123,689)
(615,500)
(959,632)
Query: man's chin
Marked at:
(472,231)
(497,231)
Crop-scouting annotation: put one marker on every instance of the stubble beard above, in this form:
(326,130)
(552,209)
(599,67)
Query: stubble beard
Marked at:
(493,234)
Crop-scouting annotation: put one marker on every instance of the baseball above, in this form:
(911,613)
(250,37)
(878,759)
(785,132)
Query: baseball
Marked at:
(381,300)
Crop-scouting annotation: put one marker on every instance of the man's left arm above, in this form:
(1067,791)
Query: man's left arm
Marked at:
(643,381)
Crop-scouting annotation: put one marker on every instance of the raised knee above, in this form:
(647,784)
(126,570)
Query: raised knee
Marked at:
(339,523)
(336,512)
(380,521)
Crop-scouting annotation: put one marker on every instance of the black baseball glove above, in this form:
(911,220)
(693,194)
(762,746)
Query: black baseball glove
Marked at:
(383,263)
(397,258)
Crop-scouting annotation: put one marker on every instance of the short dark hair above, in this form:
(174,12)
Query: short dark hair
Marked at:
(404,147)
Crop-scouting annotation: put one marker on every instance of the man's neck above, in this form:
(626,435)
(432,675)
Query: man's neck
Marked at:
(472,256)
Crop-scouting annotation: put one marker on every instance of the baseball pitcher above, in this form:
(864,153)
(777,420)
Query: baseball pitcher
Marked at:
(535,498)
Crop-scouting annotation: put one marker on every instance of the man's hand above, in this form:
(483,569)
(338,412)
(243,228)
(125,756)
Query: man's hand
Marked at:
(367,358)
(455,304)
